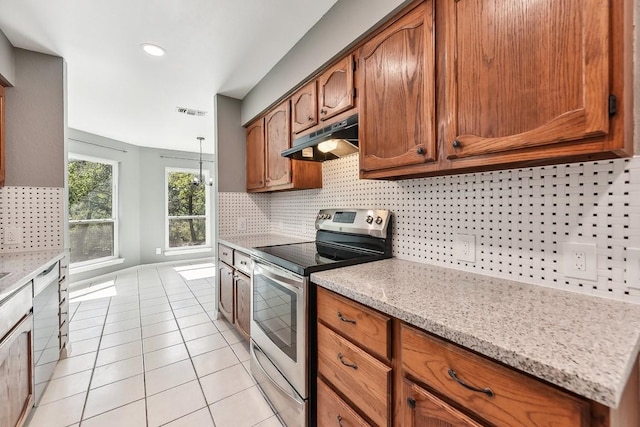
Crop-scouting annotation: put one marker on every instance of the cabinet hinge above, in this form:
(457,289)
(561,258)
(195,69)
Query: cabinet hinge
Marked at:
(411,402)
(354,93)
(613,105)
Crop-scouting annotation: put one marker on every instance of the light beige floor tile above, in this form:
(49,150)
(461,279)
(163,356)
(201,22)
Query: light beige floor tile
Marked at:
(119,352)
(201,418)
(161,341)
(222,324)
(120,338)
(193,320)
(124,325)
(222,384)
(169,376)
(198,331)
(159,328)
(59,413)
(187,311)
(94,304)
(232,411)
(114,395)
(181,296)
(86,323)
(73,365)
(131,415)
(214,361)
(85,334)
(270,422)
(184,303)
(175,403)
(210,308)
(232,336)
(176,289)
(206,344)
(107,374)
(126,299)
(165,356)
(146,311)
(124,315)
(206,299)
(66,386)
(130,306)
(156,318)
(150,302)
(83,347)
(89,314)
(241,350)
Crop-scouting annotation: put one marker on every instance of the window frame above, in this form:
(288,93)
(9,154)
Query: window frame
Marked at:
(114,210)
(207,210)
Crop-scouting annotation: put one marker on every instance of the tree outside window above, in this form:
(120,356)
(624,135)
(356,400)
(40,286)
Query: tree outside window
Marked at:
(187,213)
(92,207)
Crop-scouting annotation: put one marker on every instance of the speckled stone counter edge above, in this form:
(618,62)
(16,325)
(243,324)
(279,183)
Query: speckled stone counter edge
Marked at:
(22,269)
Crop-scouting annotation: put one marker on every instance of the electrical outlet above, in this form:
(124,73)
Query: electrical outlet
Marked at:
(633,268)
(465,247)
(158,251)
(242,224)
(13,235)
(580,260)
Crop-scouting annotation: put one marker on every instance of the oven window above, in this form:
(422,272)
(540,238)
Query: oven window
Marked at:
(275,312)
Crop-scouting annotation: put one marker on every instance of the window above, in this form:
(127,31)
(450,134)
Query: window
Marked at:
(187,210)
(93,223)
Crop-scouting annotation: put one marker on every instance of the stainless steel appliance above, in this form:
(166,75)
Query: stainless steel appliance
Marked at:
(283,303)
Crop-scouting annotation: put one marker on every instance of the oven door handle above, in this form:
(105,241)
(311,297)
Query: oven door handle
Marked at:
(293,395)
(294,283)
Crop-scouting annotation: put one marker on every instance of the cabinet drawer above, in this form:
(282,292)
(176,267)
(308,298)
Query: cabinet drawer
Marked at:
(370,329)
(225,253)
(333,411)
(360,377)
(514,399)
(242,262)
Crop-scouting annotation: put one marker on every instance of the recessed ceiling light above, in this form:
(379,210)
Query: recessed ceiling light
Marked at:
(153,49)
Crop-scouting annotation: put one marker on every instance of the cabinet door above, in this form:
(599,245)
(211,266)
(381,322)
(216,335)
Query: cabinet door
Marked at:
(277,139)
(423,409)
(255,155)
(304,112)
(16,375)
(243,304)
(517,75)
(336,91)
(225,292)
(397,116)
(2,137)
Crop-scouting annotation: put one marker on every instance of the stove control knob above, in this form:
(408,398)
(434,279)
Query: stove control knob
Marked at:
(369,219)
(319,216)
(328,216)
(379,220)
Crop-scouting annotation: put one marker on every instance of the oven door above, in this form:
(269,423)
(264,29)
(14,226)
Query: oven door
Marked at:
(279,321)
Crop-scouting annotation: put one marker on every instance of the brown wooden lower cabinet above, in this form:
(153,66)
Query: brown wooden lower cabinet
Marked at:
(333,411)
(225,292)
(423,409)
(243,303)
(16,374)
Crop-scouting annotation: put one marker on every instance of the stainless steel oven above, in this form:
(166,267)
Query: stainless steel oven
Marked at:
(279,325)
(283,303)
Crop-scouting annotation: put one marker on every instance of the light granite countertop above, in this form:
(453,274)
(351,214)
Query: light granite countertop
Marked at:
(247,241)
(24,266)
(584,344)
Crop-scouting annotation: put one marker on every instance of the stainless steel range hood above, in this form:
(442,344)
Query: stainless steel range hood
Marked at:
(333,141)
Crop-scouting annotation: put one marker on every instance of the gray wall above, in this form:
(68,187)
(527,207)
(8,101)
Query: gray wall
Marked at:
(231,147)
(7,61)
(341,27)
(141,196)
(35,121)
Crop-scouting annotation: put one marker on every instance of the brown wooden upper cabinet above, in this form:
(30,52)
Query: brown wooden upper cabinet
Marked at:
(397,102)
(304,111)
(267,170)
(336,89)
(2,137)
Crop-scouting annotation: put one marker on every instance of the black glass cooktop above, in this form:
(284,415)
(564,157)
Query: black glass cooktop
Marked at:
(309,257)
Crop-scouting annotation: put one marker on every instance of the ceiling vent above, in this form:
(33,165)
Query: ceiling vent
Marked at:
(190,111)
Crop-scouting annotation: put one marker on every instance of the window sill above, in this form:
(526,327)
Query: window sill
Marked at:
(96,266)
(175,252)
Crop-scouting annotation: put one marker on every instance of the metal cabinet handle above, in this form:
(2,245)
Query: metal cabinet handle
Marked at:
(243,262)
(420,150)
(456,144)
(310,118)
(350,365)
(224,253)
(339,420)
(344,319)
(323,111)
(486,390)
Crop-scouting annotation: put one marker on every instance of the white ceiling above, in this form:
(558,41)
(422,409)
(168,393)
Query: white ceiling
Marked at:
(117,91)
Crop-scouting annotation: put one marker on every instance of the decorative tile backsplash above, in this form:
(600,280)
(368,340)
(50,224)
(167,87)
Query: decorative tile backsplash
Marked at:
(519,218)
(38,211)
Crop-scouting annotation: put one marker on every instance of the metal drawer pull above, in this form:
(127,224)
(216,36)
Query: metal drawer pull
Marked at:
(350,365)
(345,319)
(340,420)
(486,390)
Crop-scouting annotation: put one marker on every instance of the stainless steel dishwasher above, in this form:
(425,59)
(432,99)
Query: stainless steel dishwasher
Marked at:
(46,325)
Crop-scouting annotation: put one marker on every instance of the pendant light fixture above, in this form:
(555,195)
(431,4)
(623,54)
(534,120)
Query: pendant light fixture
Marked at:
(200,179)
